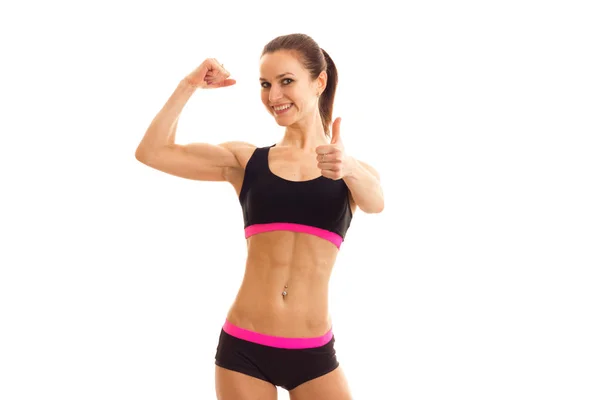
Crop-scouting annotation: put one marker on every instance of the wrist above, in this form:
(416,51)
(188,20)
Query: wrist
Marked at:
(352,167)
(188,83)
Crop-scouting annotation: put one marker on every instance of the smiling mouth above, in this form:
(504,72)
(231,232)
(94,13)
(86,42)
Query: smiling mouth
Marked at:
(282,109)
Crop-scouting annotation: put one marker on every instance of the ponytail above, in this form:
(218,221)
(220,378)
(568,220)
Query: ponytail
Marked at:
(328,96)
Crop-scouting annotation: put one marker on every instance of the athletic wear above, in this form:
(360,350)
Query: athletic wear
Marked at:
(318,206)
(284,362)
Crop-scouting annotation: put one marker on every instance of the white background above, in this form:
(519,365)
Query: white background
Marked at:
(478,281)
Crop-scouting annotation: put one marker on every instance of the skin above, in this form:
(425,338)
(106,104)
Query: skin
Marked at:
(301,262)
(277,259)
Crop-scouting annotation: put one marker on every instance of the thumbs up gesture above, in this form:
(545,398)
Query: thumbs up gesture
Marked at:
(332,160)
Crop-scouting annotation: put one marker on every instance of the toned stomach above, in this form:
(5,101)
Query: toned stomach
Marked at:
(301,262)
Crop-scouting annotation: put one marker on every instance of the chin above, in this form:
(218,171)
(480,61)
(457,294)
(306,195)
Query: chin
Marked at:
(284,123)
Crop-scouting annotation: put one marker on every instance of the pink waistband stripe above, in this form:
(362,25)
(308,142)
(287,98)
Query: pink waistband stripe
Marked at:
(277,341)
(288,226)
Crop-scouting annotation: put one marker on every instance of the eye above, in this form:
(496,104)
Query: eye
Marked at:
(283,80)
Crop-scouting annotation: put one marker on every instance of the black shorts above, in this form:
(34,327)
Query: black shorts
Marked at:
(284,362)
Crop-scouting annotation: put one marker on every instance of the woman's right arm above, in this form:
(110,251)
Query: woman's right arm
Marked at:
(198,161)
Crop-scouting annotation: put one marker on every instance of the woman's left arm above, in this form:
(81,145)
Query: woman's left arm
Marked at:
(361,178)
(364,184)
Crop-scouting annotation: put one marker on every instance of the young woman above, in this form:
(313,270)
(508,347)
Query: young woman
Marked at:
(298,197)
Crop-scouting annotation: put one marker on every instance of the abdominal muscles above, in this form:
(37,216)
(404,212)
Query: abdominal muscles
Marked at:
(300,261)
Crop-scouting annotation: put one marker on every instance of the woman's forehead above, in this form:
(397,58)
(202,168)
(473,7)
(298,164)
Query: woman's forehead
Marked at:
(279,62)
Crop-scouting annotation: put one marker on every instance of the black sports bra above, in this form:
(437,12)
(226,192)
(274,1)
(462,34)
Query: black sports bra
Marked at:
(318,206)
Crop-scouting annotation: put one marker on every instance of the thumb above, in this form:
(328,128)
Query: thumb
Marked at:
(335,131)
(227,82)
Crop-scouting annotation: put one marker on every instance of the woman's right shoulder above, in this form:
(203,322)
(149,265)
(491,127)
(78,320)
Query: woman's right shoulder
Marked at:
(241,150)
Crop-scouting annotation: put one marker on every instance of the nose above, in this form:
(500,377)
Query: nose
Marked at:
(274,94)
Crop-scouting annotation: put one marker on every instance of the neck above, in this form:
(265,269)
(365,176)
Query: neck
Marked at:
(305,135)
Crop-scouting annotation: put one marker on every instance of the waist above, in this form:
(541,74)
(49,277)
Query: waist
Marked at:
(261,306)
(284,342)
(273,298)
(281,324)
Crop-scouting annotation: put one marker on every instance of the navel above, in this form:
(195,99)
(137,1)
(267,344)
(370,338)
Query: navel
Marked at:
(284,293)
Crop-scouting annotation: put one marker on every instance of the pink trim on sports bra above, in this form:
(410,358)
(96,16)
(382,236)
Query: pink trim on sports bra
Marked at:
(287,226)
(277,341)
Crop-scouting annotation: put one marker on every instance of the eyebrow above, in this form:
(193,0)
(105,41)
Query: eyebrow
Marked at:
(278,76)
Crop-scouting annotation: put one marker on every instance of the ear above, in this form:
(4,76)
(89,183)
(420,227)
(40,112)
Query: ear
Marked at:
(322,81)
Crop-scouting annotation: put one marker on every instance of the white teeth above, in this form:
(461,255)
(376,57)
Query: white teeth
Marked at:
(282,107)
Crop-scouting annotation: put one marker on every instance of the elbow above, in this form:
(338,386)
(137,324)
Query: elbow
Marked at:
(373,208)
(138,155)
(378,204)
(378,209)
(141,154)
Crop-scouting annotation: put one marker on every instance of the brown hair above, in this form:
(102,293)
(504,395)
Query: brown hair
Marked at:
(315,60)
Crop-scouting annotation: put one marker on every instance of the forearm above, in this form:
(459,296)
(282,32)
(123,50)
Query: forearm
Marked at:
(365,188)
(161,131)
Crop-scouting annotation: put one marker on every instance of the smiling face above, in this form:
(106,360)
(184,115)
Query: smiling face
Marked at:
(287,85)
